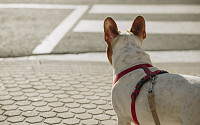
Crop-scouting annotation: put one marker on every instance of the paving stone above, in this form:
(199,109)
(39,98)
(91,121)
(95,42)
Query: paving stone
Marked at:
(42,123)
(93,97)
(98,90)
(73,92)
(16,93)
(60,81)
(78,86)
(22,82)
(51,99)
(71,121)
(102,117)
(48,82)
(114,118)
(26,108)
(87,93)
(91,122)
(72,105)
(99,102)
(54,88)
(28,90)
(25,86)
(48,114)
(9,107)
(19,98)
(2,118)
(32,94)
(35,82)
(39,87)
(108,99)
(19,123)
(103,94)
(110,112)
(1,112)
(66,115)
(74,82)
(33,120)
(12,113)
(3,98)
(83,116)
(56,104)
(20,79)
(43,109)
(11,85)
(106,87)
(52,120)
(35,99)
(57,92)
(95,111)
(61,96)
(89,106)
(67,100)
(43,91)
(16,119)
(39,104)
(47,95)
(77,97)
(109,122)
(7,80)
(7,102)
(13,89)
(105,107)
(30,113)
(60,109)
(78,110)
(63,85)
(68,88)
(87,83)
(83,101)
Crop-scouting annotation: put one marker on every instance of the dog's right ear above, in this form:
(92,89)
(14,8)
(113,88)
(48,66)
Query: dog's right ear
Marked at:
(110,29)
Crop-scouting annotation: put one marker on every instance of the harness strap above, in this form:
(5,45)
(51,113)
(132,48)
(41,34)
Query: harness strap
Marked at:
(153,108)
(137,91)
(139,85)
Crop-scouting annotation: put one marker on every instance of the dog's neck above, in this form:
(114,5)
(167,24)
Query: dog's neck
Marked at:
(128,54)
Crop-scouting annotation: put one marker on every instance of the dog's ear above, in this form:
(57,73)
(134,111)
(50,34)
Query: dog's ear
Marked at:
(110,29)
(138,27)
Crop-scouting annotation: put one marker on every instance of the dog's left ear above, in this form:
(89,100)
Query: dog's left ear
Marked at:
(138,27)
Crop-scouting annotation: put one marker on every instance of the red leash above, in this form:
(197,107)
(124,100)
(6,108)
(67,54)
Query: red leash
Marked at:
(139,85)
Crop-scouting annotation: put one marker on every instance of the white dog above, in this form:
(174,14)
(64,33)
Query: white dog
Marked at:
(177,97)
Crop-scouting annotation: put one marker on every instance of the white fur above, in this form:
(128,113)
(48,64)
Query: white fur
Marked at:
(177,97)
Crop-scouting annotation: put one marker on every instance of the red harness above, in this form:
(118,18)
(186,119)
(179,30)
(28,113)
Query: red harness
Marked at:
(139,85)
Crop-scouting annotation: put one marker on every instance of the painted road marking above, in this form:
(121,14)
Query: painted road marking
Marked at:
(152,27)
(144,9)
(39,6)
(48,44)
(60,31)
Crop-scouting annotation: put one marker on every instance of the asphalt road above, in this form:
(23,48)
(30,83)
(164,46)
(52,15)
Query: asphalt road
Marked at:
(57,27)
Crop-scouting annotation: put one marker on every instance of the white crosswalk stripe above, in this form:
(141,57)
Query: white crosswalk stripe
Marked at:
(152,27)
(144,9)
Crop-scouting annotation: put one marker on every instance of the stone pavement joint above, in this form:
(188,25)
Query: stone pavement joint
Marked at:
(62,92)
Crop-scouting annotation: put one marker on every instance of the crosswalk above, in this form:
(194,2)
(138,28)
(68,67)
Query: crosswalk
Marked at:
(82,30)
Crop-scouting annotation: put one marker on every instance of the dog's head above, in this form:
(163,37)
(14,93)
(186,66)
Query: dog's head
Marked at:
(112,36)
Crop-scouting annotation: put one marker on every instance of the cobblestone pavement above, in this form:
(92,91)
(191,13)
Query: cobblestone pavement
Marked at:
(56,92)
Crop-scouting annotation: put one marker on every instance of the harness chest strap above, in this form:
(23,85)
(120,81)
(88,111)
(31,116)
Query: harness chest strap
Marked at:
(139,85)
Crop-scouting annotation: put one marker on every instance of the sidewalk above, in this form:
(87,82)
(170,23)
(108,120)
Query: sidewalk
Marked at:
(62,92)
